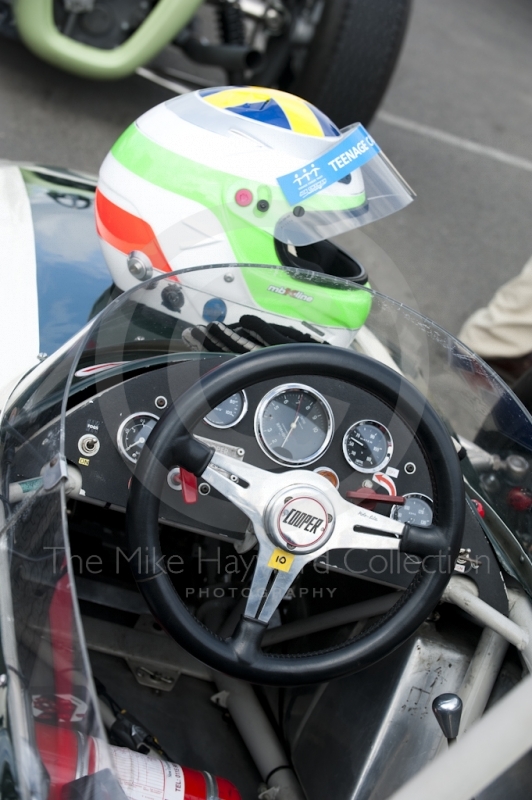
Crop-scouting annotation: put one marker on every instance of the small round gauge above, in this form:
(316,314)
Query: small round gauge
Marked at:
(229,412)
(417,510)
(368,445)
(133,432)
(294,424)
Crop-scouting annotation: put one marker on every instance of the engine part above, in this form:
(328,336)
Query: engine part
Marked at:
(228,56)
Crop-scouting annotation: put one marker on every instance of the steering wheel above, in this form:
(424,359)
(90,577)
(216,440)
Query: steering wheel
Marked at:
(270,499)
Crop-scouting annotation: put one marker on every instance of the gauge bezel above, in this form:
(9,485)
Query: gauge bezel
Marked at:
(389,446)
(123,424)
(245,406)
(268,397)
(420,496)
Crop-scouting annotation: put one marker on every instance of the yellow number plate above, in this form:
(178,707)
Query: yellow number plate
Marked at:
(281,560)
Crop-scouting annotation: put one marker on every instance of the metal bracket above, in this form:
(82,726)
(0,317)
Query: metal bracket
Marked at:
(165,681)
(54,472)
(464,558)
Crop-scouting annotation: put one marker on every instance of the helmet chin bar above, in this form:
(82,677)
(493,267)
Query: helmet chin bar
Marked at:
(297,516)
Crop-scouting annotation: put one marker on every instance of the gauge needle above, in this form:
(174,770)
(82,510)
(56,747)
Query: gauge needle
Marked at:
(138,441)
(292,426)
(294,423)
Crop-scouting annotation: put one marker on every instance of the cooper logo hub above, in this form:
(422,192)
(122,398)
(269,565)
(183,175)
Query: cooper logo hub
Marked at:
(301,522)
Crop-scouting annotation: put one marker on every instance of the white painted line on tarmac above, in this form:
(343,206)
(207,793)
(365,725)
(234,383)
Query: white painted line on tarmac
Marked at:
(174,86)
(455,141)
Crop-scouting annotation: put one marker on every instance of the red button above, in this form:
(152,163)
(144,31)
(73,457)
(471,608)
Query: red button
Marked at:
(480,508)
(243,197)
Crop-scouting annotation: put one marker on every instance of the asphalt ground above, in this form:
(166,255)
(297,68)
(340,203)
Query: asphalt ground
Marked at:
(456,122)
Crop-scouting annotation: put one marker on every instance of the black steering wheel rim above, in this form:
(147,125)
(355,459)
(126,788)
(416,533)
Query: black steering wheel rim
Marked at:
(171,444)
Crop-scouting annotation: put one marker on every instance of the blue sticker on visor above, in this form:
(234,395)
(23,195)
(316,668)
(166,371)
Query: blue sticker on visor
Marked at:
(354,150)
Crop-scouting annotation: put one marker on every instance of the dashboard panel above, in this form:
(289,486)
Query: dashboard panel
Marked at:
(318,423)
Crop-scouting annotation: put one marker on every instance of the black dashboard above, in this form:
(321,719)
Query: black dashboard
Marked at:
(318,423)
(110,419)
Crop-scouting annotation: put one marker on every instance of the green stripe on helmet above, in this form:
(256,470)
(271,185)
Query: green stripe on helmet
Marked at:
(317,301)
(329,306)
(196,182)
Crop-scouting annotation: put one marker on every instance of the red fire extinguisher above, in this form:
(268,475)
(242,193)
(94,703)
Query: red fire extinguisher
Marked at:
(70,756)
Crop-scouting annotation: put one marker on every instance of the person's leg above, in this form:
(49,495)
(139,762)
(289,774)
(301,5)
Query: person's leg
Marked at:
(501,333)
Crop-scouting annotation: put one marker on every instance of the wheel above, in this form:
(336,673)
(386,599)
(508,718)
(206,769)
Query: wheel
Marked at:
(350,60)
(269,498)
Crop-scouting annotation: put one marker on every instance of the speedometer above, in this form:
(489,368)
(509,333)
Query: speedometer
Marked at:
(368,445)
(294,424)
(133,432)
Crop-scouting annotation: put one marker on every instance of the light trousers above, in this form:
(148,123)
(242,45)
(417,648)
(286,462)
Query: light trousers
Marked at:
(504,328)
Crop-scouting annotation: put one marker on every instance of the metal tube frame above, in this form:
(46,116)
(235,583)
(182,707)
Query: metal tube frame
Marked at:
(504,734)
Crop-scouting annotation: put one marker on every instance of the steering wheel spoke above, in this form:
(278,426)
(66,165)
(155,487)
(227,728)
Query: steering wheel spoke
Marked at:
(348,534)
(242,484)
(275,573)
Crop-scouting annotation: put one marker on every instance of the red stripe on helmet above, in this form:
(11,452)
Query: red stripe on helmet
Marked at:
(127,232)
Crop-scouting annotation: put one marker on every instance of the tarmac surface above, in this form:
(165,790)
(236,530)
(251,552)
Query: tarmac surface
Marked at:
(456,122)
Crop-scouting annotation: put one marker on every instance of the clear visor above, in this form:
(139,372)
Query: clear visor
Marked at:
(298,188)
(251,212)
(374,191)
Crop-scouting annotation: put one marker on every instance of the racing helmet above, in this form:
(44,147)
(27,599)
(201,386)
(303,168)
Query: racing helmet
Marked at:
(246,175)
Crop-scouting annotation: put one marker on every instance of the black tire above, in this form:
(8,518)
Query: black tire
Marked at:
(352,57)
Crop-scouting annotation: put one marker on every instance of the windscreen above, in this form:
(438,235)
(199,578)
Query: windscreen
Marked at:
(52,737)
(198,314)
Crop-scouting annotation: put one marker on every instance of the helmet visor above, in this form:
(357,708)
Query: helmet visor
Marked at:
(349,185)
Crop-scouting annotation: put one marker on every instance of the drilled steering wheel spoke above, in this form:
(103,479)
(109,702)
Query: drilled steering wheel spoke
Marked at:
(240,483)
(353,524)
(275,572)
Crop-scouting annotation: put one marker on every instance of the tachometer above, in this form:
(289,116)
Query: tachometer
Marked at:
(229,412)
(417,510)
(368,445)
(133,432)
(294,424)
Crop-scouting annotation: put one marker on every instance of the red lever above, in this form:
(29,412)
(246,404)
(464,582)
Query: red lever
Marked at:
(368,498)
(189,485)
